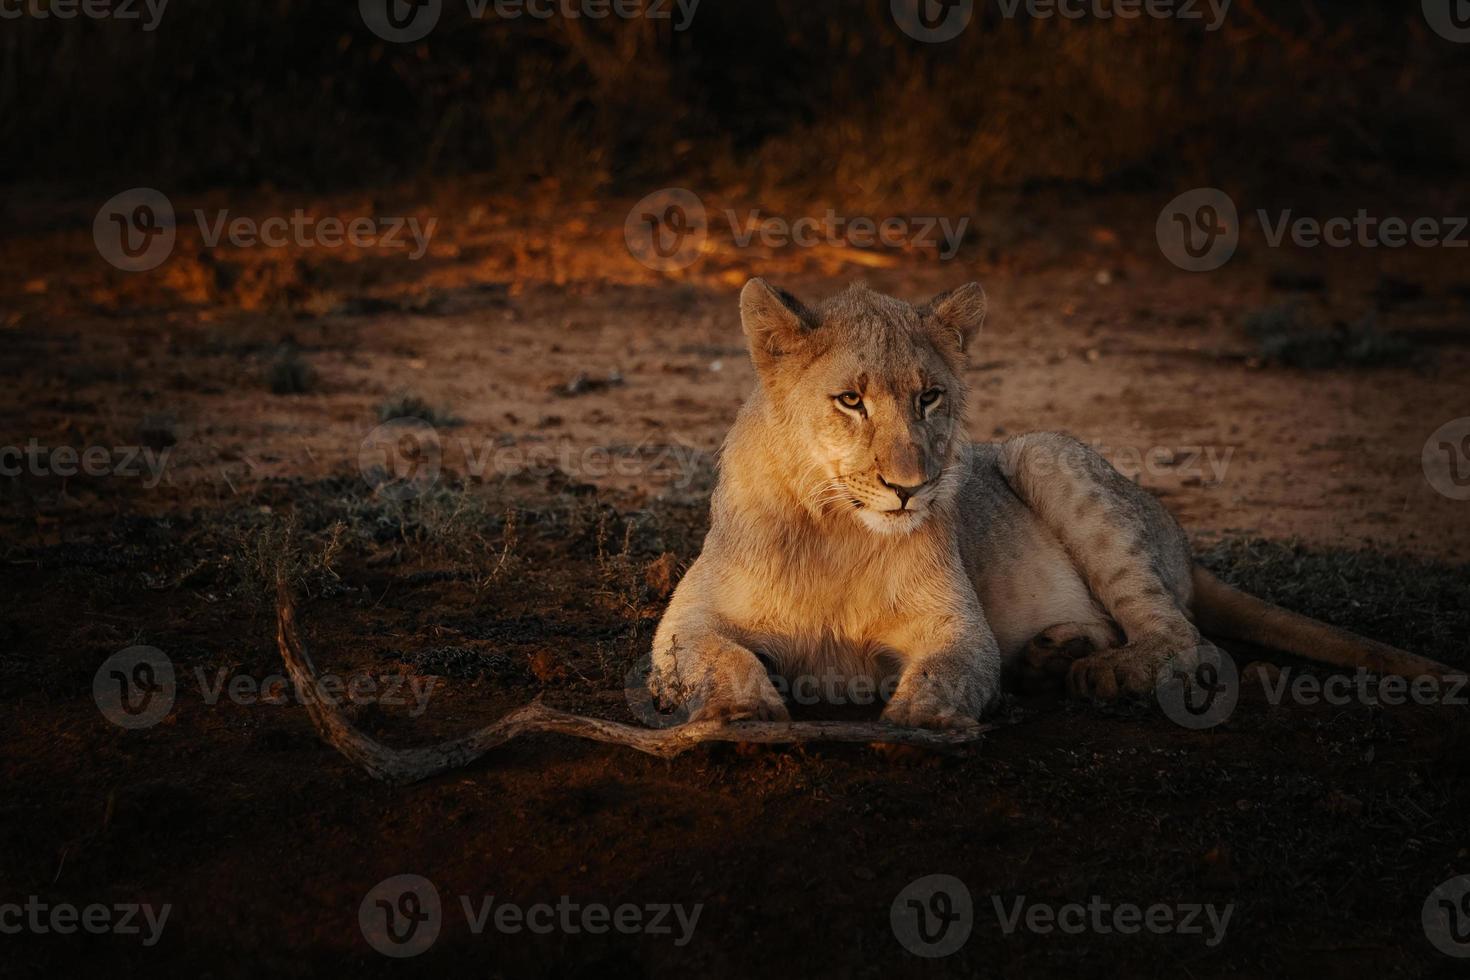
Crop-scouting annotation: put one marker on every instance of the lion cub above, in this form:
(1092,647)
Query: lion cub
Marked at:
(857,532)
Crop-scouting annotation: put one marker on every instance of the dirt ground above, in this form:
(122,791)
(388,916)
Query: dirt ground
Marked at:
(577,399)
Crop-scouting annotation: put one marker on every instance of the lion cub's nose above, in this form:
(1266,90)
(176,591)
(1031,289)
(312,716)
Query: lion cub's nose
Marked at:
(903,493)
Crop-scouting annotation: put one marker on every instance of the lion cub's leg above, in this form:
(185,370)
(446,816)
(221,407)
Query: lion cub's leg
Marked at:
(1129,549)
(713,678)
(950,668)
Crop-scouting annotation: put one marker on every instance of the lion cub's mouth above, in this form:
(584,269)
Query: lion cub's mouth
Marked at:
(892,512)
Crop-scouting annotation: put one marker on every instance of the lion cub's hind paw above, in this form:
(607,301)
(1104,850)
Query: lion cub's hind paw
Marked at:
(1044,664)
(1130,670)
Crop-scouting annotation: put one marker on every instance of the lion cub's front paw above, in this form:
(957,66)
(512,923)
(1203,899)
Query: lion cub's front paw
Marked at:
(919,714)
(938,698)
(761,706)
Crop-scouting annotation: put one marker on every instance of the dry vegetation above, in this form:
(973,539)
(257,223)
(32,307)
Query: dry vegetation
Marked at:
(760,94)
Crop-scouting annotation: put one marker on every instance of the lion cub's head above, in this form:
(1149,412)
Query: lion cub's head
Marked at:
(866,394)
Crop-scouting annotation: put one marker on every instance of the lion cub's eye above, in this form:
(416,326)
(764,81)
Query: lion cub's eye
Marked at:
(929,399)
(851,401)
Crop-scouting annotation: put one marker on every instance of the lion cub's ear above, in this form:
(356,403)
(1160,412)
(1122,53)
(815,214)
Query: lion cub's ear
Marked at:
(775,322)
(958,314)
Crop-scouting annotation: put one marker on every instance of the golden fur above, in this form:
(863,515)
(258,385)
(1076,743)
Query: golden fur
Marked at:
(856,533)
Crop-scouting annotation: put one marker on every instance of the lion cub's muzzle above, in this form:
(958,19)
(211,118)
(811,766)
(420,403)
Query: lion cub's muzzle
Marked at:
(904,493)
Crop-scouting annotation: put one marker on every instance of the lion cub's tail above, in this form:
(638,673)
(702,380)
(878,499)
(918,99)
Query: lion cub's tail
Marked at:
(1226,612)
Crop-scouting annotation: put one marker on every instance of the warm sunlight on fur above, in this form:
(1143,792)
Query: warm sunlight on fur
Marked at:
(873,400)
(857,533)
